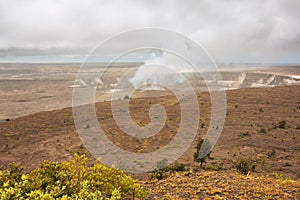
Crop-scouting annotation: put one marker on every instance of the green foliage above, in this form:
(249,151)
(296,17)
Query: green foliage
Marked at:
(175,167)
(281,124)
(213,167)
(262,130)
(68,180)
(278,176)
(157,174)
(244,166)
(160,173)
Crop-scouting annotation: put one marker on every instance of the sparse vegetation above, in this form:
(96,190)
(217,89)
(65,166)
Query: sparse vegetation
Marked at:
(244,166)
(262,130)
(244,134)
(198,183)
(177,167)
(219,185)
(213,167)
(271,153)
(281,124)
(159,173)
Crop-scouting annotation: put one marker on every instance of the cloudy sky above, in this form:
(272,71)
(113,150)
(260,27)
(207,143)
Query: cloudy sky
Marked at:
(230,30)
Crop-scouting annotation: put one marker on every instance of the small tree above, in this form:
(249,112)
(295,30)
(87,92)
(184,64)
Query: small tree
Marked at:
(197,157)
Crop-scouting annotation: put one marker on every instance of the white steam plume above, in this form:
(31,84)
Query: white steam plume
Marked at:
(160,71)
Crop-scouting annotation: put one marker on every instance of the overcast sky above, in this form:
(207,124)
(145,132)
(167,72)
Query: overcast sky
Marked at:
(230,30)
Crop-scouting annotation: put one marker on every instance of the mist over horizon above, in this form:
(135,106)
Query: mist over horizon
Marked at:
(230,31)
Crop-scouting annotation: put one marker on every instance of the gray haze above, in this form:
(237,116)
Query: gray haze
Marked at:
(230,30)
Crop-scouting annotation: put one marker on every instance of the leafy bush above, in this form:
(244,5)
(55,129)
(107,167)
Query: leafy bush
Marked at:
(262,130)
(68,180)
(157,174)
(177,167)
(244,166)
(282,124)
(160,172)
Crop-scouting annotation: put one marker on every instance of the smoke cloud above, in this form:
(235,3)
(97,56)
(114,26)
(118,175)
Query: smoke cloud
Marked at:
(231,31)
(160,72)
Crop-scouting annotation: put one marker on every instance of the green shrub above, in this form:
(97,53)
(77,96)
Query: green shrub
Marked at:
(160,172)
(282,124)
(157,174)
(68,180)
(262,130)
(175,167)
(244,166)
(213,167)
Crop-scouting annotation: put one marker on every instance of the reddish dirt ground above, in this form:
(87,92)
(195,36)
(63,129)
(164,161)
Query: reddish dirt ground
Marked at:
(251,132)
